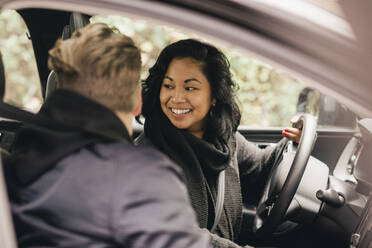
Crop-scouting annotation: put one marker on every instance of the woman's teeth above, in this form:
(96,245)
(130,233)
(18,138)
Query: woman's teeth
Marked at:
(180,111)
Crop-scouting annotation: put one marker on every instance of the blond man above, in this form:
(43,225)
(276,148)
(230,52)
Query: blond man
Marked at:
(81,182)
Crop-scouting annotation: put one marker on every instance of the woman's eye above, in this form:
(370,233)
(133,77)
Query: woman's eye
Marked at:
(190,88)
(167,86)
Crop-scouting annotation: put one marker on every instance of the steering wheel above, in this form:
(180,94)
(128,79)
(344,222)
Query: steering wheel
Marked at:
(272,208)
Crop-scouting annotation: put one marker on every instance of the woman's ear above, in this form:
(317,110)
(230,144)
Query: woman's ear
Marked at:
(214,102)
(137,110)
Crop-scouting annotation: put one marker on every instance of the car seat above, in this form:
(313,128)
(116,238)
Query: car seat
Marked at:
(77,20)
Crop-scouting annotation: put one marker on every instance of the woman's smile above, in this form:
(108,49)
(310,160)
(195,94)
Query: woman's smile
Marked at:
(178,112)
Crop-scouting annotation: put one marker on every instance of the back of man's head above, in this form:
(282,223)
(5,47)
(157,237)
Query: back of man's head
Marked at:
(99,63)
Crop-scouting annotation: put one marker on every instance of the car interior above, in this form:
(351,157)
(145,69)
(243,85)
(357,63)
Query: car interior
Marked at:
(330,198)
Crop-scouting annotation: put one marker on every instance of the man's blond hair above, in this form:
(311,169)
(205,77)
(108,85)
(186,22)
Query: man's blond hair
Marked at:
(99,63)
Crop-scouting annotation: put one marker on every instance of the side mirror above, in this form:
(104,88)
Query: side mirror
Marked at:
(326,108)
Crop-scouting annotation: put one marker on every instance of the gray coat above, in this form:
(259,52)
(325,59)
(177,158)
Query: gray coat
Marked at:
(108,195)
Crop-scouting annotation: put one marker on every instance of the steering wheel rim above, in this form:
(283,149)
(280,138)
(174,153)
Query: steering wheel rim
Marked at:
(277,210)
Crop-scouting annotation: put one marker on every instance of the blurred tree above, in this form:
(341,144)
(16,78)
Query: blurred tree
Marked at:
(22,80)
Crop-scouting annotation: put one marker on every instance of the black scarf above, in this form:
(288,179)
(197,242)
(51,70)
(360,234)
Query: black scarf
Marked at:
(37,148)
(201,161)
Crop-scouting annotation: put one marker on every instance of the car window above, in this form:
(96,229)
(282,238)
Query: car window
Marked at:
(268,97)
(22,87)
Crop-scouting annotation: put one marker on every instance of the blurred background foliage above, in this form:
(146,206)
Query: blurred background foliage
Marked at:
(22,80)
(267,96)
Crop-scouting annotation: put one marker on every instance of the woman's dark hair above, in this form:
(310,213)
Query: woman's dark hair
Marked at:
(225,116)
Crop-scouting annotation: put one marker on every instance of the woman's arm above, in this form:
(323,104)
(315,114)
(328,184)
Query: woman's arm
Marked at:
(253,160)
(254,166)
(256,162)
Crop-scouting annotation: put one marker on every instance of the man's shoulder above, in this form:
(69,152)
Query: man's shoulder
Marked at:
(124,162)
(139,163)
(131,154)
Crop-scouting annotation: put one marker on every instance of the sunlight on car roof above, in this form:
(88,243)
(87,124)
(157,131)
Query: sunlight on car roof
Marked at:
(329,5)
(326,14)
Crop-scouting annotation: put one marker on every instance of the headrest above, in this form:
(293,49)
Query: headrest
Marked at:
(51,84)
(77,20)
(66,33)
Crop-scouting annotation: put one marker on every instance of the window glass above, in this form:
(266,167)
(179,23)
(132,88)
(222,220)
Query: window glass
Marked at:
(150,38)
(22,87)
(267,96)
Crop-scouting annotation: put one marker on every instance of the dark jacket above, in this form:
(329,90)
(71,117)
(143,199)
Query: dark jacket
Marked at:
(91,187)
(245,179)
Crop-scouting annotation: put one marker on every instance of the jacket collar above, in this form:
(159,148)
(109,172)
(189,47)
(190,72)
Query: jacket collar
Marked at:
(74,109)
(37,148)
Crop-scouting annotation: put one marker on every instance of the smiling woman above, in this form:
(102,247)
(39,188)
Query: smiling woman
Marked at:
(192,116)
(185,96)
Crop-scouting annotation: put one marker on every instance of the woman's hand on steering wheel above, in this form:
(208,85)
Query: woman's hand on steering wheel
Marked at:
(293,133)
(266,222)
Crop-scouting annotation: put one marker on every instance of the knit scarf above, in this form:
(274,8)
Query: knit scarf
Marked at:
(201,161)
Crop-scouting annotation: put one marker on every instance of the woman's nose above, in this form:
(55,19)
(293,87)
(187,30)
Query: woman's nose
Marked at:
(178,96)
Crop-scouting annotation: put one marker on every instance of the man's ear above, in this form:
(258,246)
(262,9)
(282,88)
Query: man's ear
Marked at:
(137,110)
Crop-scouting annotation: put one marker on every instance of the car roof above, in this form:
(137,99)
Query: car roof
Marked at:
(335,63)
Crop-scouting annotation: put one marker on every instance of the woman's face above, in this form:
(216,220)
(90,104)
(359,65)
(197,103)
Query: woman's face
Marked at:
(185,95)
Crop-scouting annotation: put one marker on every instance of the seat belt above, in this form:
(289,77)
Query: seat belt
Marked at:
(220,199)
